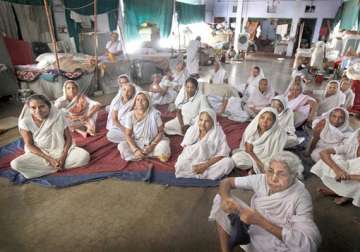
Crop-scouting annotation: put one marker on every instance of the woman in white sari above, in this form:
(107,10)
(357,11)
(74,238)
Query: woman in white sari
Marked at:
(120,107)
(259,97)
(331,129)
(81,111)
(339,170)
(218,77)
(206,152)
(262,139)
(161,91)
(188,103)
(331,98)
(180,76)
(193,56)
(48,143)
(303,106)
(286,120)
(144,132)
(345,87)
(280,216)
(256,74)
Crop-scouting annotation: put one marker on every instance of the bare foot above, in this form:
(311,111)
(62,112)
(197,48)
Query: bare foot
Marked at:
(325,191)
(341,200)
(82,133)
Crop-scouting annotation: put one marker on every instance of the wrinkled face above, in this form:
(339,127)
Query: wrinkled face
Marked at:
(263,86)
(255,72)
(71,90)
(114,37)
(157,78)
(295,90)
(297,80)
(127,91)
(276,104)
(266,121)
(216,66)
(179,67)
(190,89)
(122,80)
(141,102)
(39,109)
(277,177)
(331,90)
(337,118)
(205,122)
(345,85)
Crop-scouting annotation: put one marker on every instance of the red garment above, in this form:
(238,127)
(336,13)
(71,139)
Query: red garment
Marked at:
(19,50)
(356,89)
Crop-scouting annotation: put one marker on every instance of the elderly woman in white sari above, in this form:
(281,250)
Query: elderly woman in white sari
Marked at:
(259,97)
(330,129)
(81,111)
(280,216)
(256,74)
(144,132)
(345,87)
(48,143)
(332,97)
(189,102)
(206,152)
(303,106)
(193,56)
(120,107)
(286,120)
(339,170)
(179,76)
(219,75)
(161,91)
(262,139)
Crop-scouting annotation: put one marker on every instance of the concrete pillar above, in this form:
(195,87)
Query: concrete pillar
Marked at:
(294,25)
(239,15)
(317,30)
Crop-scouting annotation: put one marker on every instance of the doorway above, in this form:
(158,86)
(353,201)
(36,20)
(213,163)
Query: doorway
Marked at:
(308,33)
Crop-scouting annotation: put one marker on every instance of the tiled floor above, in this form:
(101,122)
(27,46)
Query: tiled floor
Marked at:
(114,215)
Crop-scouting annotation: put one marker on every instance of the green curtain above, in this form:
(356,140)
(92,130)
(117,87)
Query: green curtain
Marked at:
(137,12)
(350,15)
(190,13)
(27,2)
(85,7)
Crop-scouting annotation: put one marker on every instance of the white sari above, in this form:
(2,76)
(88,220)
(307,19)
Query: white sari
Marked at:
(168,97)
(346,157)
(197,151)
(144,131)
(286,122)
(258,100)
(49,138)
(335,100)
(179,78)
(290,209)
(300,107)
(193,56)
(250,82)
(265,146)
(190,108)
(115,134)
(331,136)
(349,98)
(218,78)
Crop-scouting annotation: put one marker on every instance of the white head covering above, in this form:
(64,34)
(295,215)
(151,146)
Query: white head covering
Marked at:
(269,143)
(255,80)
(213,144)
(258,99)
(335,100)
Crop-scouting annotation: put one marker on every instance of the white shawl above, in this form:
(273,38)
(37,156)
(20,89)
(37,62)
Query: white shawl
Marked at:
(219,76)
(212,145)
(254,81)
(269,143)
(327,103)
(286,117)
(257,99)
(179,78)
(330,135)
(122,109)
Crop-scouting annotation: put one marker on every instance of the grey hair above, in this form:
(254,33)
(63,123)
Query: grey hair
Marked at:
(291,161)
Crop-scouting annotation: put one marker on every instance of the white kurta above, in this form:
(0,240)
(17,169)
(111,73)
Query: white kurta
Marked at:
(193,56)
(50,139)
(197,151)
(190,108)
(290,209)
(265,146)
(256,99)
(144,132)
